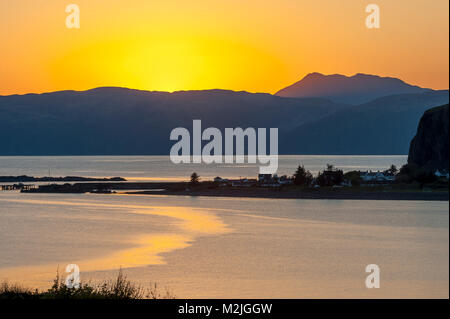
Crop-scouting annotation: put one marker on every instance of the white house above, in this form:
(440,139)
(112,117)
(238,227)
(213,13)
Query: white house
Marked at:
(265,178)
(439,174)
(376,177)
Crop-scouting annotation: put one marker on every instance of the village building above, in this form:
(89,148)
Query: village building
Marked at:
(376,177)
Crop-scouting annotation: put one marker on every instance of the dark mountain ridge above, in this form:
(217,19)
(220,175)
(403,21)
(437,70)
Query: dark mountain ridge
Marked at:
(381,127)
(120,121)
(124,121)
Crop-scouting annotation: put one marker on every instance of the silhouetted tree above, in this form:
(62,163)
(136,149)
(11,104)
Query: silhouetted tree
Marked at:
(195,178)
(407,173)
(408,169)
(330,176)
(302,176)
(410,173)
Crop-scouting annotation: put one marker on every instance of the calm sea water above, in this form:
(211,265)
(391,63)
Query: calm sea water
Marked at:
(160,168)
(202,247)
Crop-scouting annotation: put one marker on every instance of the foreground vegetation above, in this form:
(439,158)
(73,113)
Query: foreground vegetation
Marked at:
(119,288)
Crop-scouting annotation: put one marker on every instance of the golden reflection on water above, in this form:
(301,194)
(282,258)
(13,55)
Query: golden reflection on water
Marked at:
(147,253)
(194,223)
(146,248)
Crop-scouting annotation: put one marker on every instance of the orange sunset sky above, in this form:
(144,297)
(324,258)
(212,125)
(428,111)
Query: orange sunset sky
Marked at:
(256,46)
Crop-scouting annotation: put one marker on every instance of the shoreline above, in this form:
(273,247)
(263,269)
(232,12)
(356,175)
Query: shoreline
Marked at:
(210,189)
(298,194)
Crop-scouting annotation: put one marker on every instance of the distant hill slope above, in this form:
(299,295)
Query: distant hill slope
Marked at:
(430,146)
(123,121)
(383,126)
(357,89)
(118,121)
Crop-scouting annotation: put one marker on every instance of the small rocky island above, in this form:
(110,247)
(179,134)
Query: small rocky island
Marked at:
(27,179)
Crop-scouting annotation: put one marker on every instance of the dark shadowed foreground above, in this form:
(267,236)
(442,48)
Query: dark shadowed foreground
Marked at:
(118,288)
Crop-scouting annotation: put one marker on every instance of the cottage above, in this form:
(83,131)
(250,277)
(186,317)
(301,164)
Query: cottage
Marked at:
(284,180)
(441,174)
(376,177)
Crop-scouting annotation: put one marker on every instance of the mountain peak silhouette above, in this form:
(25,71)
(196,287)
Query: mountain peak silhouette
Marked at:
(357,89)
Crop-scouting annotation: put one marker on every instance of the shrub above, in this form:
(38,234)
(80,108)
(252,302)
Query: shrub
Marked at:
(119,288)
(410,173)
(354,177)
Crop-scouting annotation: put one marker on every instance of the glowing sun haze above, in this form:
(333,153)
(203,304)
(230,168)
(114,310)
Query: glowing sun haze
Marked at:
(256,46)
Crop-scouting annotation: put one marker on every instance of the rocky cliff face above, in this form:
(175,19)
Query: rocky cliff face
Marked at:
(430,147)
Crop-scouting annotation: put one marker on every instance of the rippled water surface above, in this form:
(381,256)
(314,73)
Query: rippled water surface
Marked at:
(225,247)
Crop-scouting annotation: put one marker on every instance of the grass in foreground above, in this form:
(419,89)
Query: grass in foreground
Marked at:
(119,288)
